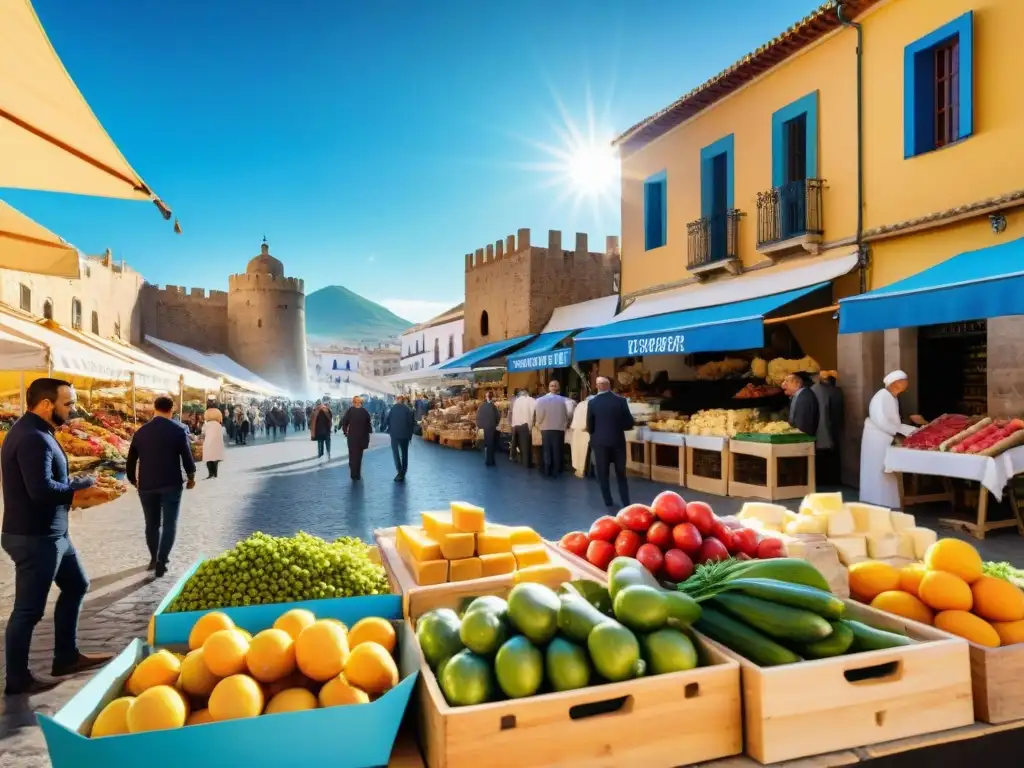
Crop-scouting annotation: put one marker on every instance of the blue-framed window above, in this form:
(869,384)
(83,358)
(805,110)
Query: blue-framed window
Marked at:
(795,141)
(716,177)
(938,87)
(655,211)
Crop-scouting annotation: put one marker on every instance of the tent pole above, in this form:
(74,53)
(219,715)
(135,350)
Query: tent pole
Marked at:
(135,413)
(22,397)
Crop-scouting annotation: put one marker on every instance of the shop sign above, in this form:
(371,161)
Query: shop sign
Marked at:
(666,344)
(556,358)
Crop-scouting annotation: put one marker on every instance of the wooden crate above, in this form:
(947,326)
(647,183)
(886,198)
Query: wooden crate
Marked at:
(661,720)
(810,708)
(662,454)
(638,457)
(585,568)
(717,485)
(772,488)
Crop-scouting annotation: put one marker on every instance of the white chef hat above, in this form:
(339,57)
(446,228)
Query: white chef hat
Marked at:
(893,377)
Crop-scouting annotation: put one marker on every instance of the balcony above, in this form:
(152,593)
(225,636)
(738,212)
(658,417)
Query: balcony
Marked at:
(789,218)
(712,243)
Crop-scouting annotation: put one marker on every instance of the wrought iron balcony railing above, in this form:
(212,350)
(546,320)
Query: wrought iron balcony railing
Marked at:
(713,238)
(789,211)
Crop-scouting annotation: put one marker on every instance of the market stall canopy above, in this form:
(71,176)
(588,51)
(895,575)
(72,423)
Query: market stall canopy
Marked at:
(220,365)
(19,354)
(66,355)
(722,328)
(585,314)
(190,378)
(487,352)
(975,285)
(30,247)
(50,137)
(541,353)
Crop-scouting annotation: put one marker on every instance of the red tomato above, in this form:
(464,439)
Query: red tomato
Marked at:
(723,533)
(635,517)
(700,514)
(687,538)
(605,529)
(600,553)
(768,548)
(745,540)
(650,557)
(669,507)
(660,535)
(627,543)
(711,550)
(678,565)
(575,542)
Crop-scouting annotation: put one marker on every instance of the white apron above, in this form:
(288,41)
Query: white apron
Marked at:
(213,441)
(880,427)
(580,439)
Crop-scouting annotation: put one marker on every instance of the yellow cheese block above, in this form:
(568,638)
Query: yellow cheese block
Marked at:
(468,517)
(437,524)
(522,534)
(530,554)
(458,546)
(466,569)
(425,573)
(494,540)
(416,542)
(551,575)
(497,563)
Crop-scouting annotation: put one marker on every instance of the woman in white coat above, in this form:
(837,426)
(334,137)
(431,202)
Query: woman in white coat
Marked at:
(213,440)
(880,428)
(580,439)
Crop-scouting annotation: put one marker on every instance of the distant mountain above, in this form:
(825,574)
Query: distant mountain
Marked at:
(337,314)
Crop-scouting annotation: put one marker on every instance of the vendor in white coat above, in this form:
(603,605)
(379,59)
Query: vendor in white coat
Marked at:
(213,440)
(580,443)
(880,428)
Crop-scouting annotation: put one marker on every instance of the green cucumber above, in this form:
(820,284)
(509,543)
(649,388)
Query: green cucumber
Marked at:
(788,569)
(747,642)
(793,595)
(836,644)
(779,621)
(867,638)
(577,618)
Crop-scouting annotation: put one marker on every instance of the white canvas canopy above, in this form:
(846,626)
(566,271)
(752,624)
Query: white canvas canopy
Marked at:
(64,355)
(30,247)
(18,354)
(220,365)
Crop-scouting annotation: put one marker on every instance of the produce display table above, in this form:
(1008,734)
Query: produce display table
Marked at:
(638,453)
(707,464)
(668,457)
(992,473)
(771,484)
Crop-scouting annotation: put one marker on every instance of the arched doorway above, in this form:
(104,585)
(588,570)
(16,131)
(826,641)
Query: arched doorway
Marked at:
(485,325)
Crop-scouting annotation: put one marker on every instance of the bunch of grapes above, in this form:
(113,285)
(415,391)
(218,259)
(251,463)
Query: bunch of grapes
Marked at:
(270,569)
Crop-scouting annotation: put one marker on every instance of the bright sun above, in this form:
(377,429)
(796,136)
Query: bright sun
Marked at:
(592,168)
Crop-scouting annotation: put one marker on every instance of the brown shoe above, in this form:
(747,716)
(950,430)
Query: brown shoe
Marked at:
(82,664)
(29,686)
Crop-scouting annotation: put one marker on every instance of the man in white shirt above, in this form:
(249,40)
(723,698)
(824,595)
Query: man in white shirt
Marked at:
(522,423)
(552,417)
(880,429)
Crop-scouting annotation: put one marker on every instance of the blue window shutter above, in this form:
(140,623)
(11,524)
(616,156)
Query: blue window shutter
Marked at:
(655,211)
(966,32)
(805,105)
(726,146)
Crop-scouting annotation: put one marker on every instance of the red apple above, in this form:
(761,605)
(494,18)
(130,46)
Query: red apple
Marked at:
(669,507)
(600,553)
(678,565)
(635,517)
(711,550)
(605,529)
(700,514)
(745,540)
(687,538)
(627,543)
(650,557)
(575,542)
(660,535)
(768,548)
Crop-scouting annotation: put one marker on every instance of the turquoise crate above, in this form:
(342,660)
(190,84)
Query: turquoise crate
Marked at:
(356,736)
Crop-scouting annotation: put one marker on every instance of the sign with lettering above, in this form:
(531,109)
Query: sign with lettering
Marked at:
(665,344)
(556,358)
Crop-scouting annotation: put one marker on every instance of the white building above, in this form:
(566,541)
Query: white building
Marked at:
(321,361)
(433,342)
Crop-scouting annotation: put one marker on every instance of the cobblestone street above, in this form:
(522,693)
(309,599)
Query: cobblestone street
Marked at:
(281,488)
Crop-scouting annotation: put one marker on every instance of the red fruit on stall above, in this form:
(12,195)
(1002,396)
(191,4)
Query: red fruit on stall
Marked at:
(600,553)
(575,542)
(660,535)
(635,517)
(712,550)
(678,565)
(724,534)
(745,541)
(605,529)
(687,538)
(768,548)
(700,514)
(650,557)
(627,543)
(669,507)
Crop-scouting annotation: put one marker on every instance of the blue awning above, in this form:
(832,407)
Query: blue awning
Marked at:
(541,353)
(482,354)
(975,285)
(719,328)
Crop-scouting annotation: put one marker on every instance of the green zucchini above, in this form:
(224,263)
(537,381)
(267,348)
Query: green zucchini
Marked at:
(779,621)
(745,641)
(577,617)
(867,638)
(789,569)
(836,644)
(793,595)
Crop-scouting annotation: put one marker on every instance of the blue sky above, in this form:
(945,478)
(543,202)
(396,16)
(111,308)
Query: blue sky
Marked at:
(373,143)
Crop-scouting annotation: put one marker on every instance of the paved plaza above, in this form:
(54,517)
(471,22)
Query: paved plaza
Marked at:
(281,488)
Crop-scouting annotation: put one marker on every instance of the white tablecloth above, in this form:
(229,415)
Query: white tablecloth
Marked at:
(993,473)
(666,438)
(706,442)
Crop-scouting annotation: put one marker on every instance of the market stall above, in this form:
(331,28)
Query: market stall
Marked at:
(236,378)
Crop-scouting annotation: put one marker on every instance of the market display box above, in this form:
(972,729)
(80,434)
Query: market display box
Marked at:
(577,564)
(657,722)
(358,736)
(769,470)
(668,457)
(707,464)
(638,456)
(814,707)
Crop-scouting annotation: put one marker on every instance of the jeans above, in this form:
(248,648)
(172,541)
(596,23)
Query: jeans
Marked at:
(524,440)
(490,443)
(323,441)
(552,451)
(160,509)
(211,468)
(400,450)
(604,458)
(40,561)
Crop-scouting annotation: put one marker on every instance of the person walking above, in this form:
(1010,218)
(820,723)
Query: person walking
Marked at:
(487,419)
(552,417)
(156,456)
(37,495)
(399,425)
(357,427)
(580,443)
(320,422)
(608,419)
(522,423)
(213,441)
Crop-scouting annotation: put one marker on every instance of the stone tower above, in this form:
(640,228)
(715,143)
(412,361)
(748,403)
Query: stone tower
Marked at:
(267,322)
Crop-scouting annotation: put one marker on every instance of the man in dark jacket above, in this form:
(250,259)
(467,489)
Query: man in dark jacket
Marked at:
(803,405)
(357,426)
(487,418)
(608,419)
(400,423)
(320,420)
(37,495)
(156,456)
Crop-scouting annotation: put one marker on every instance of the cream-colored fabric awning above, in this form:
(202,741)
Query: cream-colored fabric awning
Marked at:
(49,137)
(30,247)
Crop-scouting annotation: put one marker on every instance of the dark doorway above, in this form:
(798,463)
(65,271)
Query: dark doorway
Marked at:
(718,230)
(794,190)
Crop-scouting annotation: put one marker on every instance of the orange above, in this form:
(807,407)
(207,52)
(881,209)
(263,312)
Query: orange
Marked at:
(224,652)
(910,577)
(206,626)
(870,578)
(156,709)
(370,667)
(159,668)
(196,678)
(321,650)
(291,700)
(113,720)
(375,630)
(969,627)
(903,604)
(199,717)
(294,621)
(1010,632)
(271,655)
(236,697)
(338,692)
(956,557)
(997,599)
(944,591)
